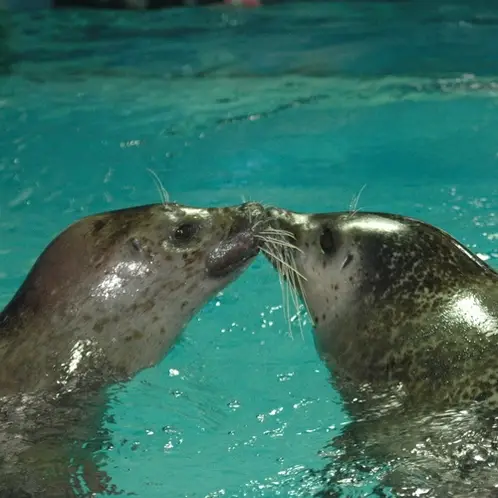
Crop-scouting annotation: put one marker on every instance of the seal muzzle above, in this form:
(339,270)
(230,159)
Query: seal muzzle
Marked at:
(232,254)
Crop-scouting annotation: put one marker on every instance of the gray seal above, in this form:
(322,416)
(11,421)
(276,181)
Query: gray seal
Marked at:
(106,299)
(406,319)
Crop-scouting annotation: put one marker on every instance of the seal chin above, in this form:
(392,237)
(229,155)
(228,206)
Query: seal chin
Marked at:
(233,254)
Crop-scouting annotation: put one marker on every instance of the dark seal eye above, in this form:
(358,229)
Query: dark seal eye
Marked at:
(185,232)
(327,241)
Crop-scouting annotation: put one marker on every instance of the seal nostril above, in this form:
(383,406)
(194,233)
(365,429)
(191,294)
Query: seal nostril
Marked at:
(239,225)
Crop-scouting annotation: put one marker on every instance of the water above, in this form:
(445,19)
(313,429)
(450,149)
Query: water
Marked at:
(299,105)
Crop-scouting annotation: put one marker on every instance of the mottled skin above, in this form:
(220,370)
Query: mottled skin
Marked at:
(106,299)
(406,319)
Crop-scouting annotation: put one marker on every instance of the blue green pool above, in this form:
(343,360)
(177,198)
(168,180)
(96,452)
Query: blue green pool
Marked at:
(301,105)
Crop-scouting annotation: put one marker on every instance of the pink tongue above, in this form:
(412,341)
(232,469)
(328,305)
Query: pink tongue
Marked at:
(243,3)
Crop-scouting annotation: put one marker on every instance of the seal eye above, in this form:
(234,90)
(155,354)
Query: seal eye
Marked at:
(185,232)
(327,242)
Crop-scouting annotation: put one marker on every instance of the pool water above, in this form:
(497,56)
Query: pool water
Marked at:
(300,105)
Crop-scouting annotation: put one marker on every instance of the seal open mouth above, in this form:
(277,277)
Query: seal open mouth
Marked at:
(232,254)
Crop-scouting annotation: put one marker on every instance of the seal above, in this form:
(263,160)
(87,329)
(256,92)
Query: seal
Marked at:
(106,299)
(406,319)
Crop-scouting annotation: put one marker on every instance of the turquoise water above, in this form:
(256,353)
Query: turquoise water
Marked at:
(300,105)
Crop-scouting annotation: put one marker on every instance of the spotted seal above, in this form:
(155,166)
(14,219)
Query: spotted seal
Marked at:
(406,319)
(106,299)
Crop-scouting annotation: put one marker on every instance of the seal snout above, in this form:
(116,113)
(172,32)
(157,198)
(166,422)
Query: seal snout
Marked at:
(285,222)
(242,243)
(253,210)
(232,254)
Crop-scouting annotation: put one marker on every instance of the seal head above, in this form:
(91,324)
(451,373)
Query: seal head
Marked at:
(406,318)
(393,299)
(112,293)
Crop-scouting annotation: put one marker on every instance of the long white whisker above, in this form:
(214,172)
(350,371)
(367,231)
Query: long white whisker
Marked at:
(279,242)
(304,298)
(257,224)
(299,289)
(278,257)
(284,260)
(353,207)
(288,293)
(278,231)
(162,191)
(281,273)
(289,267)
(295,298)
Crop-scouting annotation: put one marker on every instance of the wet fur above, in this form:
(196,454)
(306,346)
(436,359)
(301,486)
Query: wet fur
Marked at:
(107,298)
(405,353)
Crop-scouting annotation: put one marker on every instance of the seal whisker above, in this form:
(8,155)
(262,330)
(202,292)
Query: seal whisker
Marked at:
(279,231)
(162,191)
(283,236)
(286,297)
(291,289)
(303,296)
(290,281)
(287,266)
(278,239)
(284,270)
(299,288)
(281,272)
(293,286)
(279,242)
(353,207)
(257,224)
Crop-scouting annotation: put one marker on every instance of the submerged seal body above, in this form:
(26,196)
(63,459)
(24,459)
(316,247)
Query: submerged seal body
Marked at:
(406,319)
(106,299)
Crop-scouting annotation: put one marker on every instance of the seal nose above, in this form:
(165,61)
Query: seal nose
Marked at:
(281,219)
(232,254)
(242,241)
(250,216)
(253,210)
(287,222)
(275,212)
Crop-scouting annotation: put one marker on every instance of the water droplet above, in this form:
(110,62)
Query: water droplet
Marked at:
(234,405)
